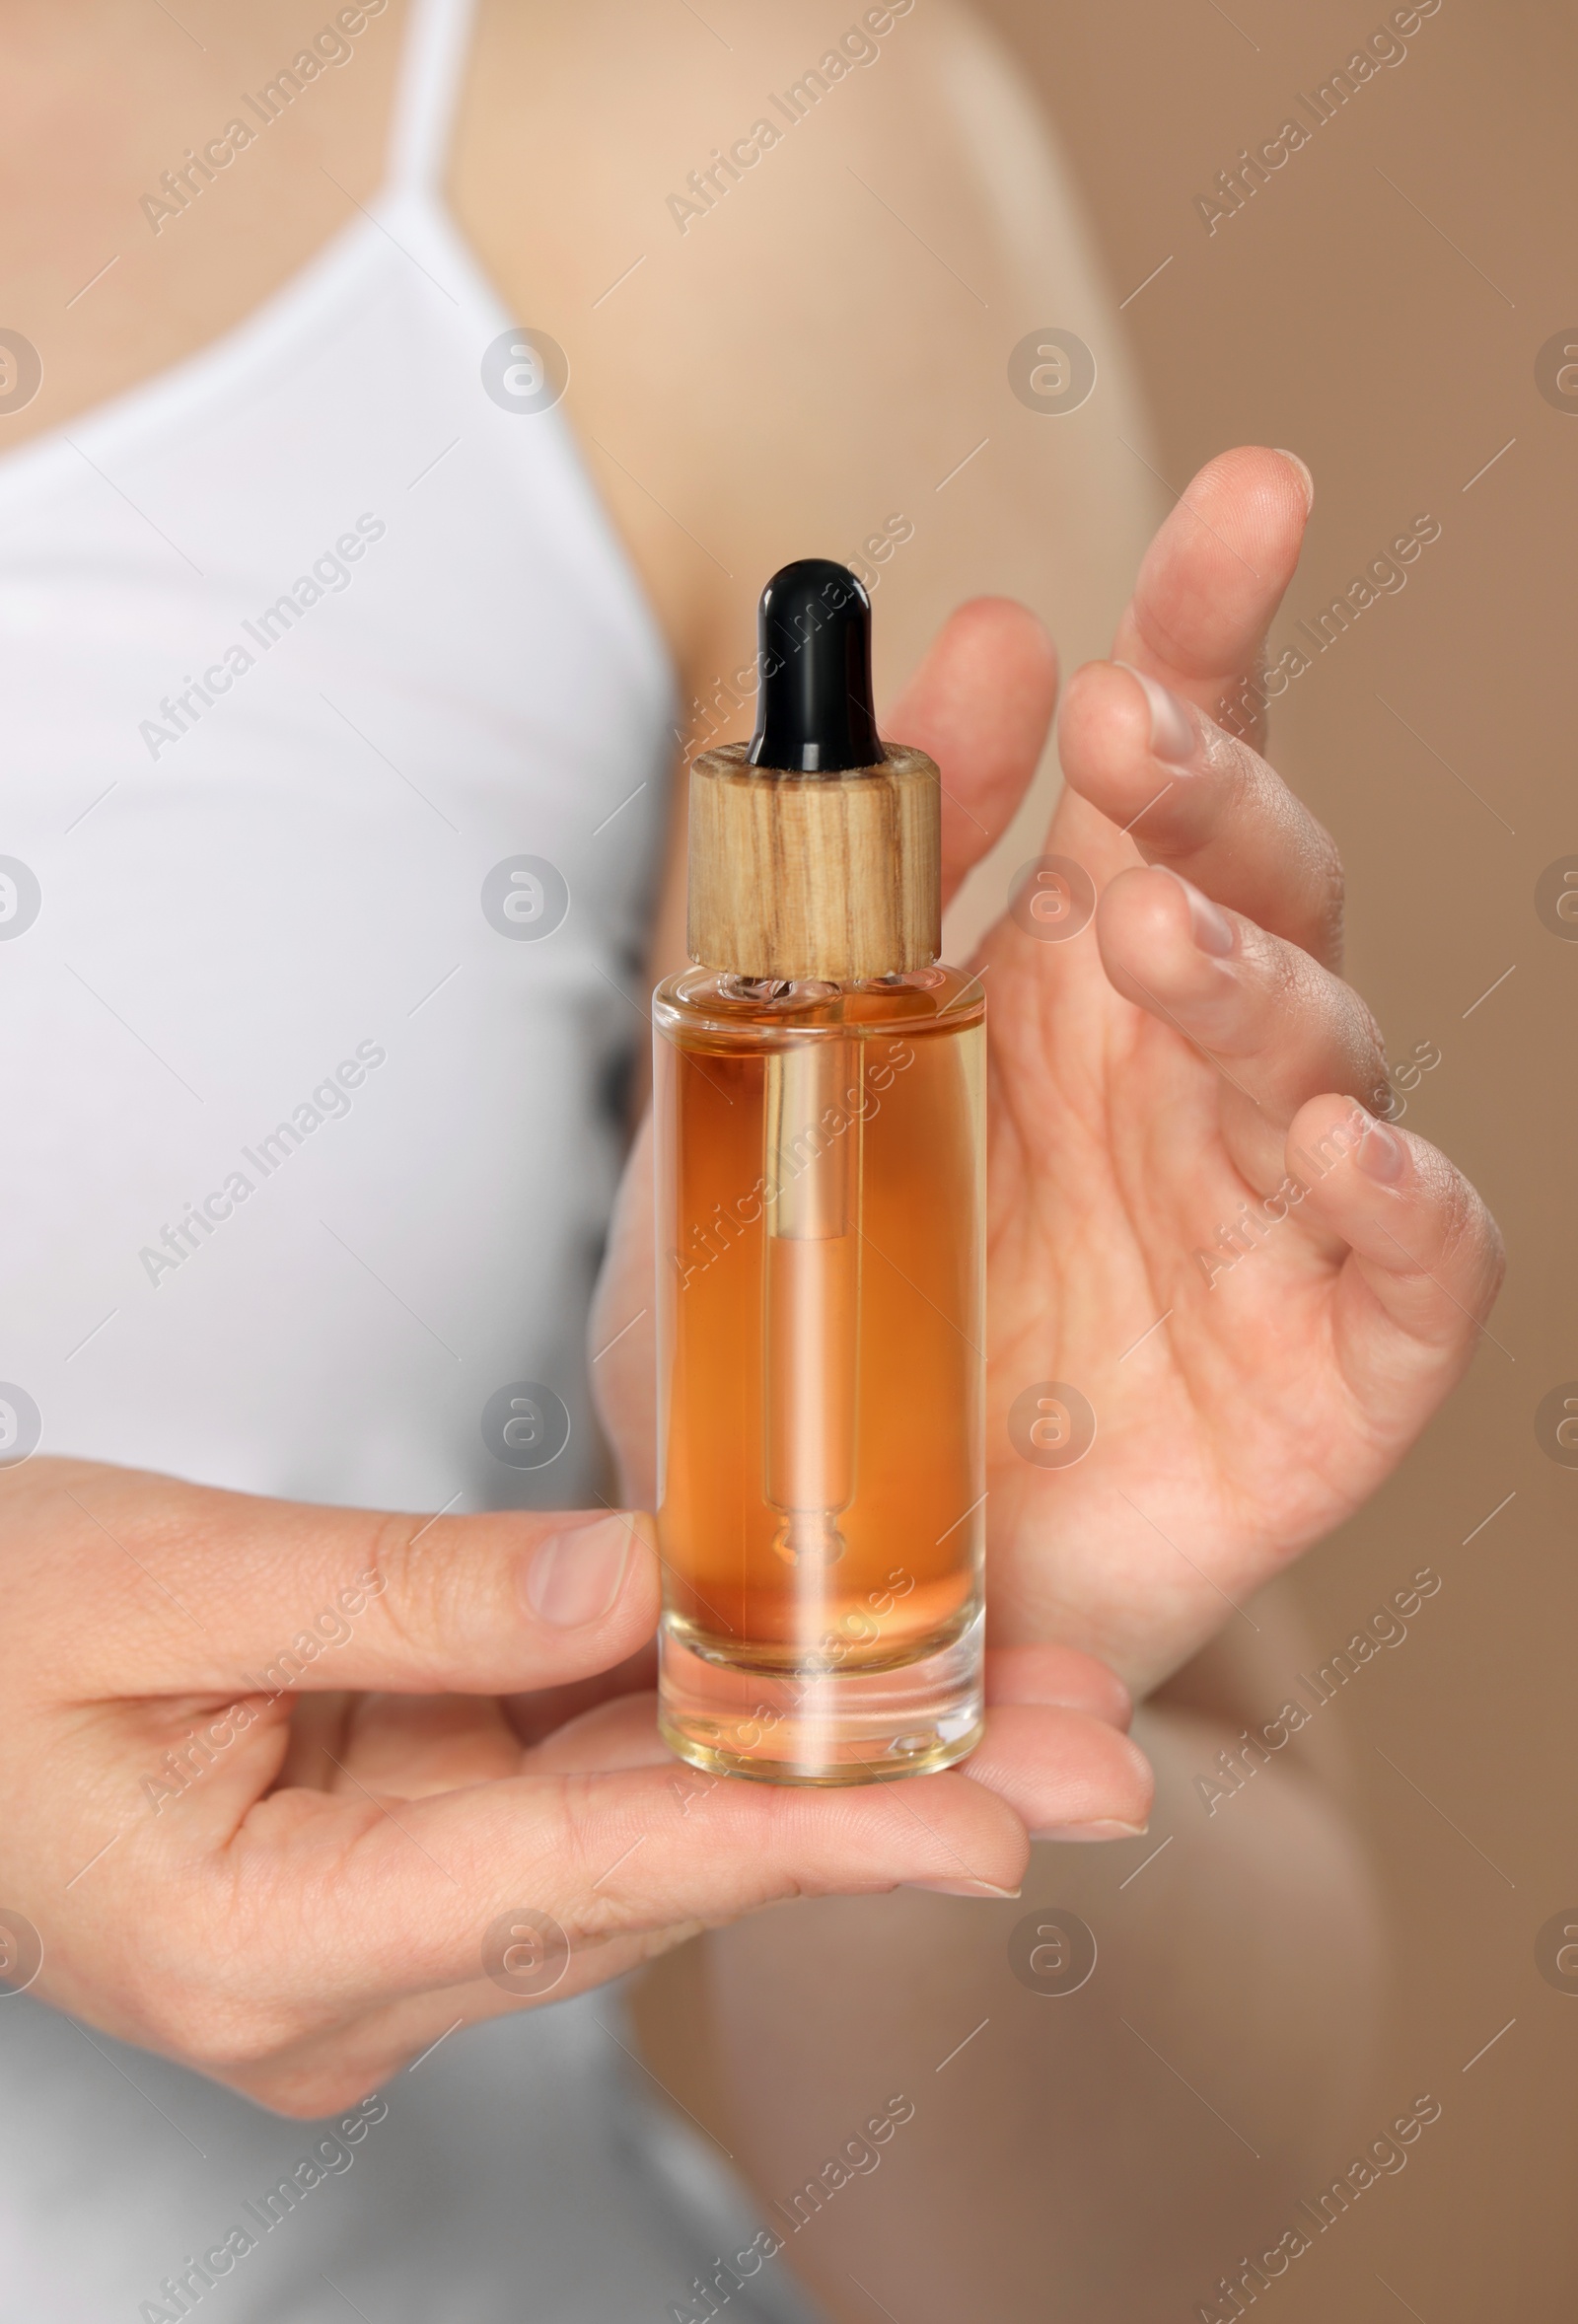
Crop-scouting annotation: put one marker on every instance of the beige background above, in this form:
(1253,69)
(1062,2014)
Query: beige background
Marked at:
(1333,317)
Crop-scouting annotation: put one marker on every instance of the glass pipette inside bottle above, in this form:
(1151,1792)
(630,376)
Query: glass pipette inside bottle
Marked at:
(812,1302)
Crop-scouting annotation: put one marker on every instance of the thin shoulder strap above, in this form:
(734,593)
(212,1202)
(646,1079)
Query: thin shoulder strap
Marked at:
(432,64)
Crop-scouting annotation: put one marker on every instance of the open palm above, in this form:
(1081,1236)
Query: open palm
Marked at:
(1259,1293)
(1202,1245)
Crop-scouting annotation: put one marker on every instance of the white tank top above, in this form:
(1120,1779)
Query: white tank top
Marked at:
(306,1157)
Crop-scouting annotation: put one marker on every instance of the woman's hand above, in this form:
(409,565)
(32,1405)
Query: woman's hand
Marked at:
(1187,1061)
(1261,1292)
(264,1797)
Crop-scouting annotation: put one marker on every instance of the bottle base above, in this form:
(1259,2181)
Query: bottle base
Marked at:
(822,1727)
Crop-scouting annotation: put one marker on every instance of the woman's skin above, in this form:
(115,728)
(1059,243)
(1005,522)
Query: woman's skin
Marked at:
(773,382)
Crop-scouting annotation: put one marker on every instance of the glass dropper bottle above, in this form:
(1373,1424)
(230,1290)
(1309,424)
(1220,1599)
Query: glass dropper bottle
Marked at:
(820,1092)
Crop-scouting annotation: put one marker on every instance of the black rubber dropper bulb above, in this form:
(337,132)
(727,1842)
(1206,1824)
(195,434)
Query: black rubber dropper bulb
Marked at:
(814,710)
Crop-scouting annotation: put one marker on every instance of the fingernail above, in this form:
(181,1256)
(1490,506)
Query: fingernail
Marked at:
(1104,1828)
(963,1888)
(1381,1153)
(1304,470)
(574,1577)
(1212,930)
(1172,727)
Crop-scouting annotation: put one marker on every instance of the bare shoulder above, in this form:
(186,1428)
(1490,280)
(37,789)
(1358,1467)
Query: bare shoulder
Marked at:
(790,259)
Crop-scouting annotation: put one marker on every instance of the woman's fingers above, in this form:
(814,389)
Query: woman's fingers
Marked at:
(1197,800)
(386,1898)
(622,1733)
(1058,1675)
(413,1744)
(1053,1755)
(1424,1264)
(394,1897)
(401,1893)
(983,699)
(1274,1026)
(534,1717)
(1066,1775)
(1214,576)
(981,704)
(198,1591)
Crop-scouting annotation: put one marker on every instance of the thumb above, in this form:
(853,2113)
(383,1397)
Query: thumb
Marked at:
(981,705)
(202,1591)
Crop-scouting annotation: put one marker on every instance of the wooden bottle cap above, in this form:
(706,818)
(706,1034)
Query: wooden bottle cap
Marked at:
(830,876)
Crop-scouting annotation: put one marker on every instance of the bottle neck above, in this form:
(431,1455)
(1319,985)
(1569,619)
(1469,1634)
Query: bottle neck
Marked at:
(767,1010)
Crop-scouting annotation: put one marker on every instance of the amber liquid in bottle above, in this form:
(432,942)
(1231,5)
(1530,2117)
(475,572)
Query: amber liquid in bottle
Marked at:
(821,1293)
